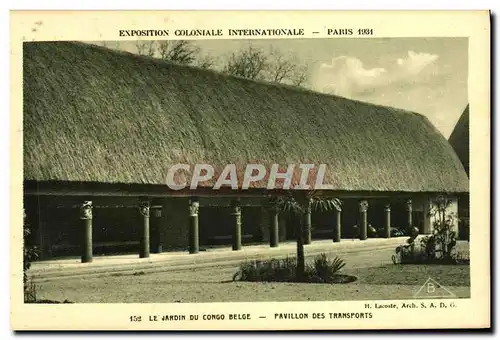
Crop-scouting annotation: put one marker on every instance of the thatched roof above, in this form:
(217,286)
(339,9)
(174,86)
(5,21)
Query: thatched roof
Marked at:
(459,139)
(93,114)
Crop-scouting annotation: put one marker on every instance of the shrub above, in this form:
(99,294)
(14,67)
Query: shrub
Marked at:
(30,253)
(284,270)
(324,269)
(428,244)
(407,253)
(462,258)
(396,232)
(436,248)
(440,246)
(270,270)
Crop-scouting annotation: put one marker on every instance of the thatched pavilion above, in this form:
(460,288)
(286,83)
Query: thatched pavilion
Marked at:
(459,140)
(101,129)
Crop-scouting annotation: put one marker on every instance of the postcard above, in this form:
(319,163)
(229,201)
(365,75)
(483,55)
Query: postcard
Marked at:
(250,170)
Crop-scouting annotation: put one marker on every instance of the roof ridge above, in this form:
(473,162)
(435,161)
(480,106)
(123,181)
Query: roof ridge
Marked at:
(230,76)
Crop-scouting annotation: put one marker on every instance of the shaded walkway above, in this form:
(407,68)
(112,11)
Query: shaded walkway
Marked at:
(173,261)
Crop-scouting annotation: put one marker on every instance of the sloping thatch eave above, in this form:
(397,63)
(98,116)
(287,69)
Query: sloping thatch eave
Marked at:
(459,139)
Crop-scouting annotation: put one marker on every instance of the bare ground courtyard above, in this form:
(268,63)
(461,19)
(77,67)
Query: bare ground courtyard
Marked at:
(378,279)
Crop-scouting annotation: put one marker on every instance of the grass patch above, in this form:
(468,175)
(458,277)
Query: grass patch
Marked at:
(420,256)
(51,301)
(415,274)
(320,270)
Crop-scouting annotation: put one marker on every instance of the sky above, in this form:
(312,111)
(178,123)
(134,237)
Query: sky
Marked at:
(424,75)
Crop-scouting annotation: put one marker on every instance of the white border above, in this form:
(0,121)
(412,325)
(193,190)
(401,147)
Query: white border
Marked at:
(146,4)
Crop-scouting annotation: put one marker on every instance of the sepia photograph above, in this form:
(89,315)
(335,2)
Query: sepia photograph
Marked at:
(104,122)
(172,166)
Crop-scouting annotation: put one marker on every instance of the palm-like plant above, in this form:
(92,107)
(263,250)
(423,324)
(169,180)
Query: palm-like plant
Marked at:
(444,224)
(300,203)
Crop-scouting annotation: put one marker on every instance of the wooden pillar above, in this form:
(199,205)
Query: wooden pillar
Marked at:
(86,245)
(194,238)
(387,226)
(307,224)
(300,250)
(156,212)
(409,209)
(144,236)
(337,229)
(363,220)
(273,227)
(236,214)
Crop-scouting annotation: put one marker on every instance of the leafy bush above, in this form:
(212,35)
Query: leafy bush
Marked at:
(408,253)
(45,301)
(269,270)
(444,237)
(396,232)
(428,244)
(324,269)
(320,270)
(462,258)
(438,247)
(30,254)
